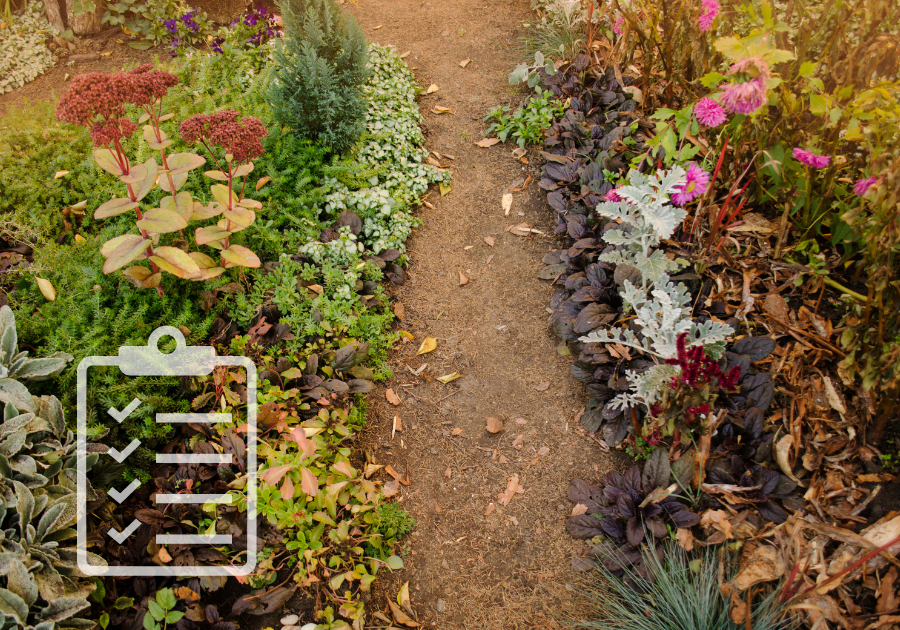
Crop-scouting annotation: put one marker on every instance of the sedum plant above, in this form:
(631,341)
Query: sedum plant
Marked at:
(97,100)
(662,308)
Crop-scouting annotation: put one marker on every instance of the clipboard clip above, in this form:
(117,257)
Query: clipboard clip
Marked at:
(149,360)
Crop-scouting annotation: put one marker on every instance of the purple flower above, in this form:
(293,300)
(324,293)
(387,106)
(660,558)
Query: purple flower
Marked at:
(811,159)
(750,94)
(863,185)
(709,113)
(708,14)
(216,46)
(171,26)
(697,183)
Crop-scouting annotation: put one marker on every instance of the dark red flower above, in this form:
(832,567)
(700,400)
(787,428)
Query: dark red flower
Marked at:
(241,138)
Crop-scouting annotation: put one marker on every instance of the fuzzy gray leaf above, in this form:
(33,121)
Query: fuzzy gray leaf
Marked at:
(20,582)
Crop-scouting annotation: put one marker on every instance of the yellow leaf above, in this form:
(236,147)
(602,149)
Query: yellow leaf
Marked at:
(403,598)
(484,143)
(407,335)
(427,346)
(47,289)
(440,109)
(431,89)
(60,174)
(464,63)
(449,377)
(263,181)
(445,189)
(506,203)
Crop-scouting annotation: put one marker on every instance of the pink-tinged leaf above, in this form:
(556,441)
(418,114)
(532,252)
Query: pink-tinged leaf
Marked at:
(222,193)
(229,226)
(202,212)
(250,203)
(335,488)
(209,234)
(142,278)
(159,146)
(209,269)
(107,161)
(150,134)
(115,207)
(149,180)
(243,169)
(239,256)
(178,179)
(272,476)
(123,250)
(217,175)
(135,175)
(306,446)
(162,221)
(182,163)
(240,216)
(182,203)
(308,482)
(287,489)
(166,117)
(176,262)
(344,469)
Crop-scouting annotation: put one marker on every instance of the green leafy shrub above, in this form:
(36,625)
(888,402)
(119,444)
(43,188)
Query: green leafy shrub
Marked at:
(321,70)
(23,54)
(528,122)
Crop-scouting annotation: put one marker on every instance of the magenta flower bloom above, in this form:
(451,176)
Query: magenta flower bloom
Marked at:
(617,27)
(863,185)
(751,94)
(613,196)
(811,159)
(708,14)
(697,183)
(709,113)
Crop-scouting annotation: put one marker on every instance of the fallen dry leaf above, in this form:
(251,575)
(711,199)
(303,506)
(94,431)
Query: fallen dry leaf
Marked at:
(46,288)
(431,89)
(719,520)
(406,54)
(875,478)
(494,425)
(489,240)
(433,162)
(407,336)
(544,450)
(448,473)
(444,188)
(399,310)
(456,431)
(635,92)
(392,398)
(489,259)
(390,488)
(397,476)
(427,346)
(517,443)
(440,109)
(437,508)
(446,378)
(542,387)
(518,153)
(685,538)
(506,496)
(262,181)
(506,203)
(164,555)
(375,28)
(60,174)
(463,279)
(485,143)
(579,509)
(401,617)
(502,460)
(464,63)
(764,565)
(397,426)
(490,509)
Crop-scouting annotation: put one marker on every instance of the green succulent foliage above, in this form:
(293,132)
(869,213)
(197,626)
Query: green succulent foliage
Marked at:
(321,68)
(23,54)
(38,507)
(527,124)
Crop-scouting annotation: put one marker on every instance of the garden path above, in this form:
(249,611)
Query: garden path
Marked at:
(509,568)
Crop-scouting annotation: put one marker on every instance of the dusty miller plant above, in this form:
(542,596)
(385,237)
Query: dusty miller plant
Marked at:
(662,308)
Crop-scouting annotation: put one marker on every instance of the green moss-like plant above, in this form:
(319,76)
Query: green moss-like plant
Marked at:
(321,68)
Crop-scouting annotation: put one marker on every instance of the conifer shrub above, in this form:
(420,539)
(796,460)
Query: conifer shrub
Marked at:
(320,71)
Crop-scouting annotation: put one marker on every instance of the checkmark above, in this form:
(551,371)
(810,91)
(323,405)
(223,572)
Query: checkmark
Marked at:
(121,537)
(124,494)
(121,415)
(120,456)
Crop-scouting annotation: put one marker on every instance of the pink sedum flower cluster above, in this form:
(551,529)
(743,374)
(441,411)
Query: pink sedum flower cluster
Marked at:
(97,100)
(751,95)
(697,183)
(811,159)
(241,138)
(708,13)
(709,113)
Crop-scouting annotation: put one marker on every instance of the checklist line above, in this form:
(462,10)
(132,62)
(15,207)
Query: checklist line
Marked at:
(198,418)
(193,539)
(192,458)
(193,498)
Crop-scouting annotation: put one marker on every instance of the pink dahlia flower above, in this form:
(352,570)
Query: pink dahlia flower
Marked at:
(863,185)
(617,27)
(708,14)
(751,94)
(697,183)
(613,196)
(811,159)
(709,113)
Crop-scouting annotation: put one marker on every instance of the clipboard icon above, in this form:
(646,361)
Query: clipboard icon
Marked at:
(183,361)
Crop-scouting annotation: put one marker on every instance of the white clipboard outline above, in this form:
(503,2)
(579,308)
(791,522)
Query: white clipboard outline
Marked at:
(149,361)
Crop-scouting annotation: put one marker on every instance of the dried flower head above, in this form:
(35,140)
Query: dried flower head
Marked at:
(750,91)
(811,159)
(709,113)
(241,138)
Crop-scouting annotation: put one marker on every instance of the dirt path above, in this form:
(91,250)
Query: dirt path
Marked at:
(508,569)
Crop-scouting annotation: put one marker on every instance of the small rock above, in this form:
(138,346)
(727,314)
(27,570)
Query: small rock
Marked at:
(434,451)
(309,626)
(445,565)
(441,606)
(84,58)
(290,620)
